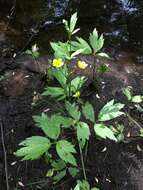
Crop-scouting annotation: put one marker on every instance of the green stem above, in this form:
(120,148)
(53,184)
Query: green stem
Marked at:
(67,78)
(69,81)
(94,66)
(69,84)
(82,162)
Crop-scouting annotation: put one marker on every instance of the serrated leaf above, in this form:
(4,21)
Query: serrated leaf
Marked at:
(110,111)
(33,148)
(120,137)
(60,175)
(77,187)
(103,55)
(61,75)
(77,83)
(50,173)
(55,92)
(65,151)
(127,93)
(65,22)
(83,133)
(65,122)
(84,185)
(104,132)
(100,42)
(77,52)
(88,111)
(49,126)
(137,99)
(73,22)
(61,49)
(58,165)
(81,44)
(73,110)
(73,171)
(96,41)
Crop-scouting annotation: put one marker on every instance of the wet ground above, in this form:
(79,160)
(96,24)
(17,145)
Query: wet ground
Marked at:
(120,167)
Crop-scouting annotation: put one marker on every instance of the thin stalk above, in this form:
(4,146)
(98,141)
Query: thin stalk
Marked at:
(64,86)
(5,155)
(69,81)
(82,162)
(69,85)
(86,149)
(133,121)
(94,66)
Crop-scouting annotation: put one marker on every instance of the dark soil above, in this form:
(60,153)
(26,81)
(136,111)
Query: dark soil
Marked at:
(118,167)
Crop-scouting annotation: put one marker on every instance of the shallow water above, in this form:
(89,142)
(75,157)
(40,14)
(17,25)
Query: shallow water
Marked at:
(39,21)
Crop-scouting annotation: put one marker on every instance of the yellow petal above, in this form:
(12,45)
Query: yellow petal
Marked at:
(57,63)
(82,64)
(77,94)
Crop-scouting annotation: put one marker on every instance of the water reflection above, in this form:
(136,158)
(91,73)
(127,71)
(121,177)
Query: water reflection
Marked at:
(120,20)
(128,6)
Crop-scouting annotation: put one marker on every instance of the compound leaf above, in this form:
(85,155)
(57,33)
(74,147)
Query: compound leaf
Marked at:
(104,132)
(110,111)
(33,147)
(65,151)
(83,133)
(54,92)
(137,99)
(49,125)
(60,175)
(88,111)
(73,110)
(73,22)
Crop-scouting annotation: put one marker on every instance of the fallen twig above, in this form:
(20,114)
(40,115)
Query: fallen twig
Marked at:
(5,154)
(133,121)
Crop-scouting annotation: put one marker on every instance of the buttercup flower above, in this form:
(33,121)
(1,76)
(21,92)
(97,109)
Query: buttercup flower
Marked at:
(82,64)
(57,63)
(77,94)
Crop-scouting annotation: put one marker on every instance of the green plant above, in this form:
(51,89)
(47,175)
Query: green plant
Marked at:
(3,76)
(64,50)
(84,185)
(93,47)
(119,132)
(70,49)
(68,86)
(134,99)
(60,150)
(33,51)
(63,150)
(141,132)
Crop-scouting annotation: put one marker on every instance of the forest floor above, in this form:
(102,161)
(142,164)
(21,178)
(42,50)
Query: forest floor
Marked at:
(111,166)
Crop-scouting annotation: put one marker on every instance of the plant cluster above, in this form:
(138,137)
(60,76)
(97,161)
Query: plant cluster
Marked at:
(134,101)
(61,151)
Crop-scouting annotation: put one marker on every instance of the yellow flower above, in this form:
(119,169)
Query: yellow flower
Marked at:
(57,63)
(77,94)
(82,64)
